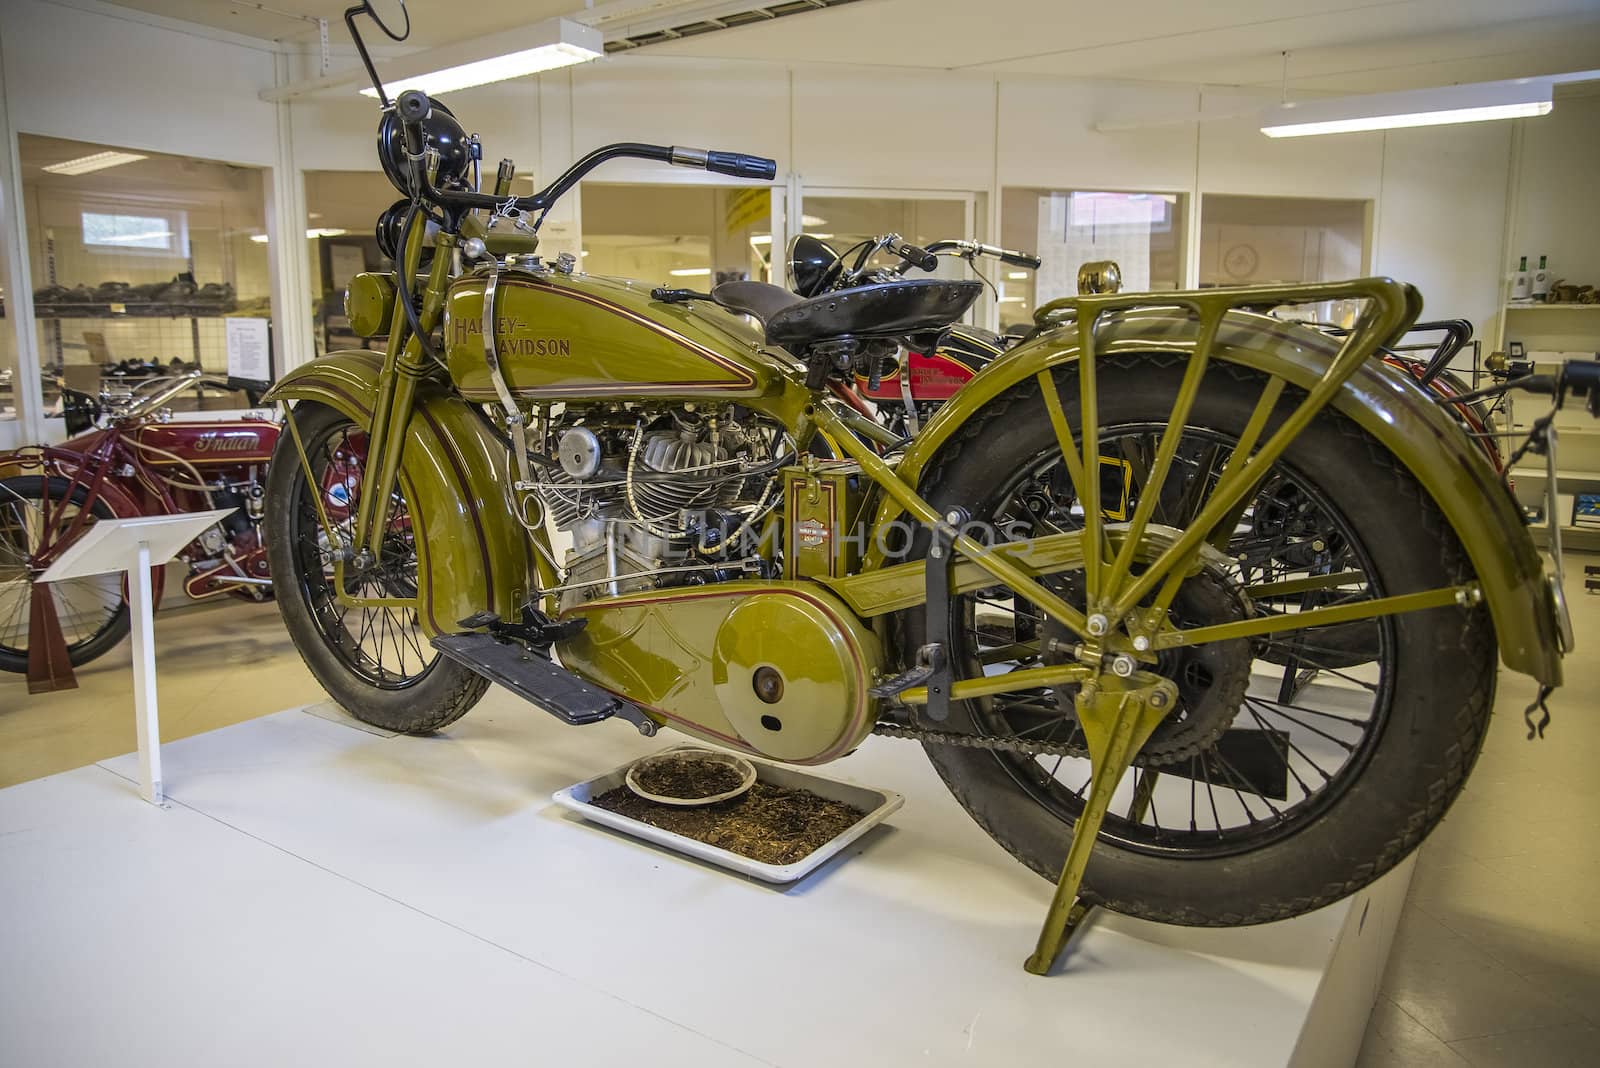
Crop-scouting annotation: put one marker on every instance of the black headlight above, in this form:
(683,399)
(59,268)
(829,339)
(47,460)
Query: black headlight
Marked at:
(442,132)
(813,266)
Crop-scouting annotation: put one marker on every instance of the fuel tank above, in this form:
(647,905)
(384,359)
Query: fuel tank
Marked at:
(224,442)
(936,376)
(561,335)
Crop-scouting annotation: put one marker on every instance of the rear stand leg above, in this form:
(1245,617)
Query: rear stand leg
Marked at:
(1117,718)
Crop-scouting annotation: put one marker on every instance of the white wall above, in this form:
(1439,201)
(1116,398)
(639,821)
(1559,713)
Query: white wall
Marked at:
(1557,212)
(1441,218)
(111,78)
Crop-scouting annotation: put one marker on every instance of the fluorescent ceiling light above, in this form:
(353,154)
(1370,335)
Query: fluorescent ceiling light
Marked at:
(149,235)
(761,239)
(1016,274)
(1522,98)
(97,162)
(690,272)
(812,220)
(545,45)
(315,231)
(1013,300)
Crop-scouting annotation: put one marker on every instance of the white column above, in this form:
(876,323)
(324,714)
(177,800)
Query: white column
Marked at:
(144,677)
(288,258)
(16,273)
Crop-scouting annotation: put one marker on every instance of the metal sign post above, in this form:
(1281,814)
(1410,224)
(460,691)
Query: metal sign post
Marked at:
(135,545)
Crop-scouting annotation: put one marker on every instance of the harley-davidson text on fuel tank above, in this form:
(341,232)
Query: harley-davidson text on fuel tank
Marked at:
(505,340)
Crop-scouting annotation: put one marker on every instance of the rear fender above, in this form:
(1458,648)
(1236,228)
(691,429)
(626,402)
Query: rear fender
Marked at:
(473,555)
(1401,417)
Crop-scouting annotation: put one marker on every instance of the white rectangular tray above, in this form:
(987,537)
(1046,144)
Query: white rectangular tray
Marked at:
(877,804)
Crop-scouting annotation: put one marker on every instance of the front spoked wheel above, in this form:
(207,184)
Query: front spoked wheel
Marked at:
(357,628)
(1295,766)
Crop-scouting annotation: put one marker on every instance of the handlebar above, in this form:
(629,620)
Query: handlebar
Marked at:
(916,256)
(975,248)
(413,106)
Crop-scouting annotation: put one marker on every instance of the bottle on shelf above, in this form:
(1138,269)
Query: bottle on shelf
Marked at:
(1521,283)
(1541,279)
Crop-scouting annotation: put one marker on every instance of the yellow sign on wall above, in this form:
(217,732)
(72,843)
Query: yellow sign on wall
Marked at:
(745,208)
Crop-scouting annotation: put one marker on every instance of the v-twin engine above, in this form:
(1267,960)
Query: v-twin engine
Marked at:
(654,499)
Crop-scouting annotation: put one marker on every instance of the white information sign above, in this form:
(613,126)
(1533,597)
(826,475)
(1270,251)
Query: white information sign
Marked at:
(249,348)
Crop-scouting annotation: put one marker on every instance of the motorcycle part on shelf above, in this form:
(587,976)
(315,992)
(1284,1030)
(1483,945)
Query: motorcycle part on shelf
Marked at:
(773,668)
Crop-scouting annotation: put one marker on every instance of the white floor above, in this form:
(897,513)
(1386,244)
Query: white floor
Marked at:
(321,894)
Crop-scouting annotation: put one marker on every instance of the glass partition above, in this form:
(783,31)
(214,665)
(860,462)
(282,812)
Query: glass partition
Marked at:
(138,260)
(689,236)
(1249,240)
(342,209)
(845,220)
(1142,232)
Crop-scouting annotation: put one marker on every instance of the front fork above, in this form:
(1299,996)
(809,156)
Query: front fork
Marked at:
(403,364)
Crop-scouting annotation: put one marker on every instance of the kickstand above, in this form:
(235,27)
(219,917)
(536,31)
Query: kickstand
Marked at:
(1117,717)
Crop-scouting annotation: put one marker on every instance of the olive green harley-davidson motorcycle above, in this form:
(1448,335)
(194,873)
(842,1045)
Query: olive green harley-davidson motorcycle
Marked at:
(1163,727)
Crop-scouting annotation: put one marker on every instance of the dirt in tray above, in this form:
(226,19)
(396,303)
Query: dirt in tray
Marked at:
(688,777)
(770,824)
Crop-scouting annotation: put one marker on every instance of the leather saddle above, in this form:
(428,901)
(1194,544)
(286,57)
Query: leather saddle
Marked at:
(879,310)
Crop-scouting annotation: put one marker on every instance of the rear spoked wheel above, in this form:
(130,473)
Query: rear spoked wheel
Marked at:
(40,517)
(1296,766)
(363,640)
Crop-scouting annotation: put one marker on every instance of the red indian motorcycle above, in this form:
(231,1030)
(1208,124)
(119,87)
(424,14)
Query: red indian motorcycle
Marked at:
(140,462)
(908,391)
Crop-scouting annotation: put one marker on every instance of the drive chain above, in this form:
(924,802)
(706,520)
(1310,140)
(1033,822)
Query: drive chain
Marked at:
(979,741)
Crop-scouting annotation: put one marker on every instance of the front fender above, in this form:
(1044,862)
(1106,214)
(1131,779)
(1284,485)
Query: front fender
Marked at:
(472,553)
(1400,416)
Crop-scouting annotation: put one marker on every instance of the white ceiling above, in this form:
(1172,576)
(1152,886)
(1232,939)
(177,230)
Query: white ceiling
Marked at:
(1339,45)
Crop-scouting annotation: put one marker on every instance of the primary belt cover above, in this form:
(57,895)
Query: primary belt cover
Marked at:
(886,309)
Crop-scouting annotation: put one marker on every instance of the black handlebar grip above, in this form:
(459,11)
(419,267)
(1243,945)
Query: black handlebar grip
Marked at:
(1022,259)
(739,165)
(918,257)
(411,107)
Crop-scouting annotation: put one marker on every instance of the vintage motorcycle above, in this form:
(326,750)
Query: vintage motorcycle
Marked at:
(139,462)
(1097,681)
(906,389)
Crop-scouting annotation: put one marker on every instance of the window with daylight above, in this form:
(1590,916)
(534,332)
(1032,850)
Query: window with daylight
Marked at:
(1141,232)
(109,230)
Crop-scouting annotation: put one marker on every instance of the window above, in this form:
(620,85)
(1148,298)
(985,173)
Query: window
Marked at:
(693,236)
(138,263)
(128,231)
(1141,232)
(1248,240)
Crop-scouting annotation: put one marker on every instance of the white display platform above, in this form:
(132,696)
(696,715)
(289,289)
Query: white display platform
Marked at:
(319,894)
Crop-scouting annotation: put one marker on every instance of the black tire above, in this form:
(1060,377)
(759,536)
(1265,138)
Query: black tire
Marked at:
(1440,680)
(110,631)
(418,702)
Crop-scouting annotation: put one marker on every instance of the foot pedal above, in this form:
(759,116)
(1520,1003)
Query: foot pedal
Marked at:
(536,628)
(930,659)
(540,682)
(1591,578)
